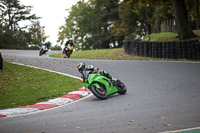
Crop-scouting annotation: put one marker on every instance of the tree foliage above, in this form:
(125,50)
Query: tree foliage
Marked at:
(99,24)
(96,24)
(90,24)
(12,35)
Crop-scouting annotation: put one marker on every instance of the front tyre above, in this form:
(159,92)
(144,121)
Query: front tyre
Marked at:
(100,92)
(40,53)
(121,87)
(64,56)
(68,54)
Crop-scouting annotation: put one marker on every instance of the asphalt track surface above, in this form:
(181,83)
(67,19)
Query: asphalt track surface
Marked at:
(161,96)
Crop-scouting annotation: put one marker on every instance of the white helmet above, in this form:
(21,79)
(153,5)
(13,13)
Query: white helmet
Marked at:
(70,39)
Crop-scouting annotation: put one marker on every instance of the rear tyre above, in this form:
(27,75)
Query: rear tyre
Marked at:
(100,93)
(121,87)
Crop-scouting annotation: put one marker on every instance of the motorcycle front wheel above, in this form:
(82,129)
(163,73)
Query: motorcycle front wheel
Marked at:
(40,53)
(121,87)
(64,56)
(100,92)
(68,54)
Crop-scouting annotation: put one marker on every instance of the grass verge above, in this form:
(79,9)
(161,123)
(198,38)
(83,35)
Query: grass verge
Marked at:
(92,54)
(111,54)
(21,85)
(164,36)
(168,36)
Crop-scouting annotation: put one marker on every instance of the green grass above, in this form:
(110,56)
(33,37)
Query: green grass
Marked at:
(111,54)
(92,54)
(164,36)
(21,85)
(167,36)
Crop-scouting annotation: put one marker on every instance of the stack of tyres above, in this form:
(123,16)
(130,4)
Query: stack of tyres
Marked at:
(133,47)
(173,50)
(164,50)
(137,48)
(141,53)
(145,49)
(154,49)
(1,62)
(150,49)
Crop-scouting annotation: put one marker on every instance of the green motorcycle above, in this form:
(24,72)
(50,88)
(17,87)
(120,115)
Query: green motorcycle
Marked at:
(100,85)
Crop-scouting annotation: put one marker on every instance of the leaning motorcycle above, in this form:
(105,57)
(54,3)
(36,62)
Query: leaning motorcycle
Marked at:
(43,50)
(67,51)
(101,86)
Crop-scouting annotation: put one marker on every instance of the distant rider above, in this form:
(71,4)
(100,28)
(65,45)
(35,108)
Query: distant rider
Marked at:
(69,42)
(46,46)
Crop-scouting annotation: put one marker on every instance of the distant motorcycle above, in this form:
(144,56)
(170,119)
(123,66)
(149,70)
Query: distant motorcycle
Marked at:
(43,50)
(67,51)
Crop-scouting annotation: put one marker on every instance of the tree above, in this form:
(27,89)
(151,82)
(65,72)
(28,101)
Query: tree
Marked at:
(56,48)
(197,13)
(181,17)
(37,35)
(13,12)
(125,27)
(90,23)
(78,25)
(14,36)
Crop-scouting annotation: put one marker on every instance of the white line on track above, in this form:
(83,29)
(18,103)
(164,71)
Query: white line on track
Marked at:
(181,130)
(48,70)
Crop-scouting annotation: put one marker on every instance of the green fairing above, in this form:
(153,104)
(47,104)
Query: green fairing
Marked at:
(93,79)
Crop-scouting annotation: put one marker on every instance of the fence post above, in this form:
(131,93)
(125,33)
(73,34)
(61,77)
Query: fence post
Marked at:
(1,62)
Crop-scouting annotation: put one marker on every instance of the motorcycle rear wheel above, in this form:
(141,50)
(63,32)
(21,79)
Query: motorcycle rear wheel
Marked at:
(100,93)
(121,87)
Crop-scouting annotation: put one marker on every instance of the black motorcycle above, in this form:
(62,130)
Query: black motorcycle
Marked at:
(42,50)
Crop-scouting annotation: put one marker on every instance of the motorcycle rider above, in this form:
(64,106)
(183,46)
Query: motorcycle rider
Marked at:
(46,46)
(90,69)
(69,42)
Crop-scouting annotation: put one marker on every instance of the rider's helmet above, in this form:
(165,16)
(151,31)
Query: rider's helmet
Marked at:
(48,44)
(70,40)
(81,67)
(90,67)
(96,69)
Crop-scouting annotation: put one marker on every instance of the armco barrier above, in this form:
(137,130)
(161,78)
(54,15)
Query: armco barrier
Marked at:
(166,50)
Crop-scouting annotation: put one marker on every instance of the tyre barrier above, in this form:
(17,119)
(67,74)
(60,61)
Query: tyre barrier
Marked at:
(166,50)
(1,62)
